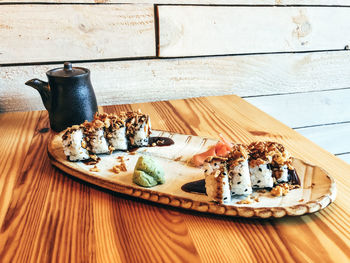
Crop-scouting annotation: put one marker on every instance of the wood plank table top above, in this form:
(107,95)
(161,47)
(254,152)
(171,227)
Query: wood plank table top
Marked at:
(47,215)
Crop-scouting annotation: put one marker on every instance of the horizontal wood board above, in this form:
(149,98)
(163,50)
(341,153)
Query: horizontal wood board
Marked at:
(334,138)
(345,157)
(214,30)
(306,109)
(198,2)
(152,79)
(42,33)
(314,108)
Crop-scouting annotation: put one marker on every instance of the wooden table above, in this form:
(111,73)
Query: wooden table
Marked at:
(46,215)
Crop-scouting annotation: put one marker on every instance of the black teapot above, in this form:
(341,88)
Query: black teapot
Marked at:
(68,96)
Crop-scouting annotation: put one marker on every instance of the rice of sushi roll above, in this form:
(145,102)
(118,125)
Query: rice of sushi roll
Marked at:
(216,179)
(261,176)
(138,129)
(238,170)
(115,130)
(74,144)
(95,136)
(260,165)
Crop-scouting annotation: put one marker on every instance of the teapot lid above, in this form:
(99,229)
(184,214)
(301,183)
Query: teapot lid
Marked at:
(67,71)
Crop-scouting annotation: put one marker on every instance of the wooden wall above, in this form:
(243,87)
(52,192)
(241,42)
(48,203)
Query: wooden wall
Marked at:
(290,58)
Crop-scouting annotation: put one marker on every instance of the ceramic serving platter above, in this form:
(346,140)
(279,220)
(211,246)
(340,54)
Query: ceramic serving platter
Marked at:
(317,190)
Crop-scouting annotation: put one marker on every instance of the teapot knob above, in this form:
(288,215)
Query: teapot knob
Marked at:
(67,66)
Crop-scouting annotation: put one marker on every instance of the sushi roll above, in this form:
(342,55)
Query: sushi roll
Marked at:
(74,144)
(115,130)
(216,179)
(260,165)
(238,170)
(281,162)
(95,136)
(138,129)
(105,134)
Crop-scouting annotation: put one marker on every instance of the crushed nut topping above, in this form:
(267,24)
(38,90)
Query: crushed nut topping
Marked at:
(177,159)
(111,149)
(94,169)
(283,189)
(216,158)
(91,161)
(265,152)
(237,155)
(93,157)
(83,144)
(246,201)
(116,169)
(278,191)
(121,167)
(249,200)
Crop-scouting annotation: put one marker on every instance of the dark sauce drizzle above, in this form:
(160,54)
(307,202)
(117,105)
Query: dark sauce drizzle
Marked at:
(293,177)
(154,141)
(160,141)
(197,187)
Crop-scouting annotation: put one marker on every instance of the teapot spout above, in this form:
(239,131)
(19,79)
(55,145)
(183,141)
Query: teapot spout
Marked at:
(43,88)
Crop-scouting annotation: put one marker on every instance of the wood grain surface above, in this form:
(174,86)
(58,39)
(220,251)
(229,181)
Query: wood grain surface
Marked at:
(122,82)
(321,116)
(207,30)
(306,108)
(42,33)
(50,216)
(334,137)
(197,2)
(345,157)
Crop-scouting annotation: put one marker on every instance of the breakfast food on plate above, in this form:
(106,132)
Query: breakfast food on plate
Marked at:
(148,172)
(105,134)
(234,169)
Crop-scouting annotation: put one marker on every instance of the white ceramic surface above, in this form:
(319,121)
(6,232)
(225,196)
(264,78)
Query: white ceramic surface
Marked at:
(317,187)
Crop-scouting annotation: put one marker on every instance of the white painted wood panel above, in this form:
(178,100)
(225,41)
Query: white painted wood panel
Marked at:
(345,157)
(305,109)
(37,33)
(197,2)
(215,30)
(333,138)
(151,80)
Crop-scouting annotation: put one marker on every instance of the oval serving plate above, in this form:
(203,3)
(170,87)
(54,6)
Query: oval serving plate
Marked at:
(317,187)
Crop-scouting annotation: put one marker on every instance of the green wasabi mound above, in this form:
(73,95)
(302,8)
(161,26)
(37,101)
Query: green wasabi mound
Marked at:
(147,172)
(143,179)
